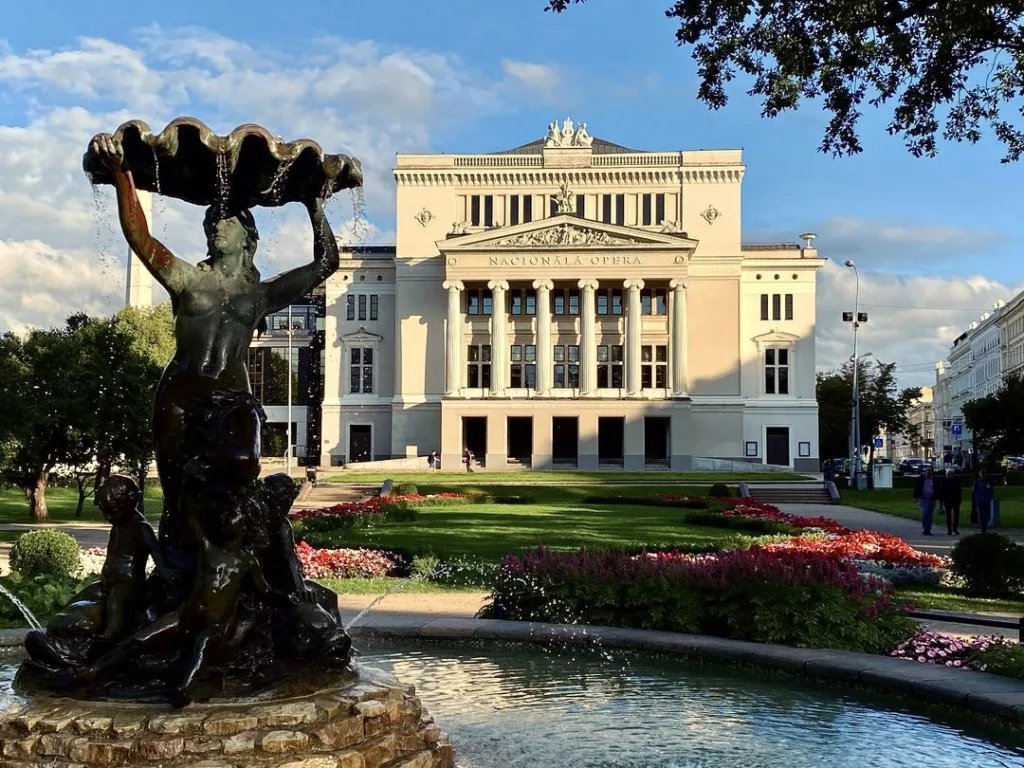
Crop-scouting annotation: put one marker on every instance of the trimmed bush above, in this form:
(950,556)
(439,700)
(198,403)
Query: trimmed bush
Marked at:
(513,499)
(989,564)
(46,553)
(404,489)
(792,598)
(719,491)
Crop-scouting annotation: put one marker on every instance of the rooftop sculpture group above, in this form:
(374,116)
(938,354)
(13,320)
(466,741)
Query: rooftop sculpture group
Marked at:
(226,608)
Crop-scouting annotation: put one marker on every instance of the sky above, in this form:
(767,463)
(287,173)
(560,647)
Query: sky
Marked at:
(933,238)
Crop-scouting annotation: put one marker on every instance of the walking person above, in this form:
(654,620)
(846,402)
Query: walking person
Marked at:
(468,458)
(983,499)
(952,498)
(434,461)
(926,491)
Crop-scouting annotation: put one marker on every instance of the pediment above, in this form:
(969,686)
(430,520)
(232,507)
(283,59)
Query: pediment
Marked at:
(361,336)
(565,231)
(781,338)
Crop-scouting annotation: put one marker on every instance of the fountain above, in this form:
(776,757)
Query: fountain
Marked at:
(224,643)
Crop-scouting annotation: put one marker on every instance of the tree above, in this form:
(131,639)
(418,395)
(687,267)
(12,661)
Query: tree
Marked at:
(834,394)
(997,420)
(946,66)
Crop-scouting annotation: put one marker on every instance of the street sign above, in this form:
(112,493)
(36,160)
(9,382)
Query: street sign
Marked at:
(879,442)
(958,430)
(847,317)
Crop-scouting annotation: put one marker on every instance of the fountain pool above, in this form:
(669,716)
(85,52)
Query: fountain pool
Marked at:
(508,706)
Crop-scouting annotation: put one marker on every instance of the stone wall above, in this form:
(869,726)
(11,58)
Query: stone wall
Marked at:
(368,722)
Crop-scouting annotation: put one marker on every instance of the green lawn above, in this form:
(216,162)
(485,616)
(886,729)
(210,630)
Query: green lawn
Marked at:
(942,599)
(62,503)
(380,586)
(900,502)
(491,531)
(544,476)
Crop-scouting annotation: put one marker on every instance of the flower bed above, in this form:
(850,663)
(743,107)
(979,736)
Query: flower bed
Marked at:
(860,545)
(344,563)
(989,653)
(792,597)
(376,506)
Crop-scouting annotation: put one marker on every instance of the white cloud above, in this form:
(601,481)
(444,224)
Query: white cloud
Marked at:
(62,250)
(912,319)
(542,77)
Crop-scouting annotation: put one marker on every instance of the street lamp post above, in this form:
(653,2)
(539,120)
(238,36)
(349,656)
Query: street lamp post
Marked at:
(855,318)
(288,449)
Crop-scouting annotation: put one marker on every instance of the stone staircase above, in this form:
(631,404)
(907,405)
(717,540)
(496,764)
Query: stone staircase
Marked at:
(806,493)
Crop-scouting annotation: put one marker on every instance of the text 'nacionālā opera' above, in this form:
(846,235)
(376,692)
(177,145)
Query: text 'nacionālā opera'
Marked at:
(572,302)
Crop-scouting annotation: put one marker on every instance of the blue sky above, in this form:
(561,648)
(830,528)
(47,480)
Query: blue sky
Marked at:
(936,234)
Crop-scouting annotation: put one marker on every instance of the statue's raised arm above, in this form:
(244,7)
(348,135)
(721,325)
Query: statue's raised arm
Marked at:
(170,271)
(292,285)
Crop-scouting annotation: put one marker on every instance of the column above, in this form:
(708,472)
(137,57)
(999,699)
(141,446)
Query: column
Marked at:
(499,338)
(588,338)
(544,351)
(634,336)
(677,333)
(453,342)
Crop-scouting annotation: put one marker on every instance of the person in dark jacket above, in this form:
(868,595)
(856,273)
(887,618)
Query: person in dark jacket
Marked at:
(926,491)
(952,497)
(982,498)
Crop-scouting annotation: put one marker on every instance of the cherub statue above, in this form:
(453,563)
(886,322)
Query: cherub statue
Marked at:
(206,621)
(132,542)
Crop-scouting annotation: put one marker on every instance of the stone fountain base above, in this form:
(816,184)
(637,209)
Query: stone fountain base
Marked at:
(365,719)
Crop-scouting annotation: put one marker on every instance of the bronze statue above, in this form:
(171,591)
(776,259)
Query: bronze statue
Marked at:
(227,608)
(218,305)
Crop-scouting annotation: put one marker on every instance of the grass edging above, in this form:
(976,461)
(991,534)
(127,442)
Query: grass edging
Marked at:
(977,692)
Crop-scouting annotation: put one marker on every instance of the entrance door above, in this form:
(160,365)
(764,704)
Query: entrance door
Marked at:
(474,436)
(520,440)
(565,441)
(611,434)
(776,449)
(359,442)
(656,440)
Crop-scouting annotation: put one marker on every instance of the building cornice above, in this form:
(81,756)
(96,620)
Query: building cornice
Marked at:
(597,178)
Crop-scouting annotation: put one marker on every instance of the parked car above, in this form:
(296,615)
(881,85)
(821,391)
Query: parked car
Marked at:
(912,466)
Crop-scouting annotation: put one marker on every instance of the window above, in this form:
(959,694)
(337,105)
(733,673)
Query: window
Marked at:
(567,366)
(350,307)
(513,210)
(481,210)
(374,306)
(776,371)
(360,371)
(478,366)
(362,306)
(654,301)
(581,205)
(522,301)
(609,366)
(613,209)
(659,209)
(523,373)
(527,209)
(777,303)
(565,301)
(653,366)
(478,301)
(609,301)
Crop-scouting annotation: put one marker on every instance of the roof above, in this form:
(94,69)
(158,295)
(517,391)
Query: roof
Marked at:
(599,147)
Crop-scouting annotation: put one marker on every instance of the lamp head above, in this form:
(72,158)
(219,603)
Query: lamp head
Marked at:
(849,263)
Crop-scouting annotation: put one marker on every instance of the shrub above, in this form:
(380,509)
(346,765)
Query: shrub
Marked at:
(1015,477)
(44,595)
(719,491)
(794,598)
(989,564)
(404,489)
(46,553)
(513,499)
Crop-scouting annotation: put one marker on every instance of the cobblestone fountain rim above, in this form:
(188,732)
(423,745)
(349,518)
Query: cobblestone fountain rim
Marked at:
(365,719)
(977,692)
